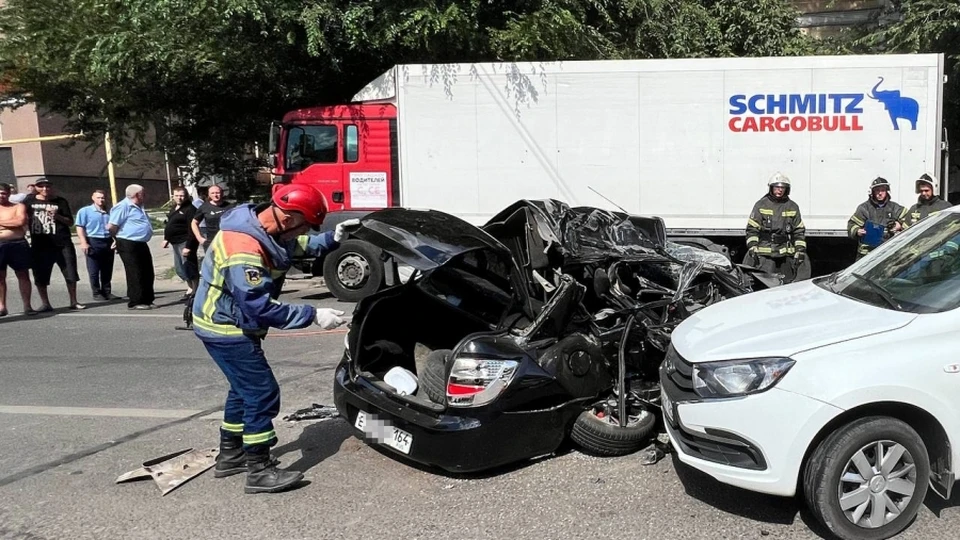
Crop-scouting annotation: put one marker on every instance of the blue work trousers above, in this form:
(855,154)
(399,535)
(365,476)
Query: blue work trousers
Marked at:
(100,259)
(254,397)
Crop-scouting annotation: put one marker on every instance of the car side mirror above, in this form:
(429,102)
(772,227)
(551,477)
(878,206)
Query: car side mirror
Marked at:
(273,144)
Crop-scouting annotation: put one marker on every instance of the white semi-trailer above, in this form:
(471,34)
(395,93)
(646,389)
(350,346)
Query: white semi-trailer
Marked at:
(693,141)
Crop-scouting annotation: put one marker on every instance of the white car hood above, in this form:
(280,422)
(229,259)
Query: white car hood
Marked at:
(780,322)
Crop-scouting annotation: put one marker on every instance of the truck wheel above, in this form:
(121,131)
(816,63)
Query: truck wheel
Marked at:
(867,480)
(353,271)
(433,380)
(603,436)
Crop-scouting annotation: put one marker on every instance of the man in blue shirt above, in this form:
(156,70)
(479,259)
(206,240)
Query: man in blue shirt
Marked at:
(131,228)
(96,244)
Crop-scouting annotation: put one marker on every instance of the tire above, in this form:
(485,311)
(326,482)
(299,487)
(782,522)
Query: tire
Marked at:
(600,437)
(360,264)
(830,461)
(433,380)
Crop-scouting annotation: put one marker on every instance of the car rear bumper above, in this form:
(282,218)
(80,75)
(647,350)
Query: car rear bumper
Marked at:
(469,441)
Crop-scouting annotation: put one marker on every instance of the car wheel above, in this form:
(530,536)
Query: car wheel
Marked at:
(433,380)
(867,480)
(353,271)
(603,436)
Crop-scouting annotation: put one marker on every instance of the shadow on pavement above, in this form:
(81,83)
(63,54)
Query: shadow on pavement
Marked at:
(89,306)
(319,296)
(937,505)
(747,504)
(318,442)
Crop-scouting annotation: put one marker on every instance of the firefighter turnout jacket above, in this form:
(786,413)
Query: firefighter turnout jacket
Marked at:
(884,215)
(923,209)
(775,228)
(241,276)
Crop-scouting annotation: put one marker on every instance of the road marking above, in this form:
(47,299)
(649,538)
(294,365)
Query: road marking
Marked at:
(122,315)
(98,411)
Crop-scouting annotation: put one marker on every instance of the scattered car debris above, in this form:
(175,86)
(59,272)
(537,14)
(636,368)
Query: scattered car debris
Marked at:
(547,322)
(173,470)
(313,412)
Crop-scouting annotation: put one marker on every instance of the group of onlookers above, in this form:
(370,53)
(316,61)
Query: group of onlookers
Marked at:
(35,234)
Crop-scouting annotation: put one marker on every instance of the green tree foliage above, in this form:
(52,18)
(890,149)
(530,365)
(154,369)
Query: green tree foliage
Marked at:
(925,26)
(208,75)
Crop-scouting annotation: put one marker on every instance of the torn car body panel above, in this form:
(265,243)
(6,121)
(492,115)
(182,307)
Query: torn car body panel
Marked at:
(544,314)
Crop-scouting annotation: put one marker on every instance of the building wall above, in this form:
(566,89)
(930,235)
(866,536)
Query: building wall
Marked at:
(22,124)
(76,167)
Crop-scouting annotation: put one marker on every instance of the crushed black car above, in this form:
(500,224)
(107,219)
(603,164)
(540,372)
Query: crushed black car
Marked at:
(548,322)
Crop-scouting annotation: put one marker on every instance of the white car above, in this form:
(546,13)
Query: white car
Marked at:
(845,387)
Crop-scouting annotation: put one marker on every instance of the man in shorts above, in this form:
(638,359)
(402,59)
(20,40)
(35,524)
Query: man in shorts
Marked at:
(50,220)
(14,251)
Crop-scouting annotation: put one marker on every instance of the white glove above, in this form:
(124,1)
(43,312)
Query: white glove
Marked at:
(342,227)
(328,318)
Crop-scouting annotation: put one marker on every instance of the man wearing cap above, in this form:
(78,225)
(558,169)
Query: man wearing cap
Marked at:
(237,301)
(96,244)
(928,202)
(50,242)
(877,212)
(131,227)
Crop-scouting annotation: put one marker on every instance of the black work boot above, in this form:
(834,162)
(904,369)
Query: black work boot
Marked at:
(232,459)
(263,476)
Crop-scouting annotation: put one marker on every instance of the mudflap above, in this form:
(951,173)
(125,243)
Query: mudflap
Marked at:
(173,470)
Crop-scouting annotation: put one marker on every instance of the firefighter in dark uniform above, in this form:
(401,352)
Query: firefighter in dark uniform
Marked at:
(928,202)
(877,210)
(775,232)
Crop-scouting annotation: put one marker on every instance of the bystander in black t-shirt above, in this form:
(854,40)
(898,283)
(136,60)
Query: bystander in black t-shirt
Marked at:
(177,230)
(211,213)
(44,230)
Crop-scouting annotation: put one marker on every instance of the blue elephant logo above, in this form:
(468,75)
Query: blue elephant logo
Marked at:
(897,106)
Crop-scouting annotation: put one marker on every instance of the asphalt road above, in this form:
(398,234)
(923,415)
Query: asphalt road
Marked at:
(87,396)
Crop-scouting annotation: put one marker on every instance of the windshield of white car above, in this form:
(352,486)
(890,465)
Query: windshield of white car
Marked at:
(917,271)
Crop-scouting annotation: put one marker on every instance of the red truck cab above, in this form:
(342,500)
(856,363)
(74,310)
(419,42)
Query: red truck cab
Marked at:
(350,152)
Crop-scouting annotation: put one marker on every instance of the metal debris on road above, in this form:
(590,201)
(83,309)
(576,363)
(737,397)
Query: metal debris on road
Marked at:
(173,470)
(314,412)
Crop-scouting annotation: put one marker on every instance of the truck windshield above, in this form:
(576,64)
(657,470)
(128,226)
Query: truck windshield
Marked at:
(307,145)
(918,271)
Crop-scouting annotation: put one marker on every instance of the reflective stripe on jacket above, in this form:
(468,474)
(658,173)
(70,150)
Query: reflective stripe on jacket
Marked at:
(240,281)
(776,228)
(868,210)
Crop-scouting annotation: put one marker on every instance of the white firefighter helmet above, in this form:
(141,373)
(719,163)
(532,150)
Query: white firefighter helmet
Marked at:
(929,180)
(779,179)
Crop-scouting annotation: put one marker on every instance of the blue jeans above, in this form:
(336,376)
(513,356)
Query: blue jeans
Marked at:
(187,268)
(254,397)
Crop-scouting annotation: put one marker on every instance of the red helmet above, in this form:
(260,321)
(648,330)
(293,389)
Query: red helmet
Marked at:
(302,198)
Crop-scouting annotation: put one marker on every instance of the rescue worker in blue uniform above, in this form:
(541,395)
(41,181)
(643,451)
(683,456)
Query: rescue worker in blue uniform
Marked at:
(878,210)
(236,302)
(776,235)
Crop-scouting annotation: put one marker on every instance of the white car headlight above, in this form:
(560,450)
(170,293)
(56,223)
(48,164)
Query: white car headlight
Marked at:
(738,377)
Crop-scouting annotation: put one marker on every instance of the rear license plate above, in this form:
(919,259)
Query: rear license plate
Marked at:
(381,431)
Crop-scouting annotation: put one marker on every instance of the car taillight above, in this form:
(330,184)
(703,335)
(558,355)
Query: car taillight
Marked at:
(477,381)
